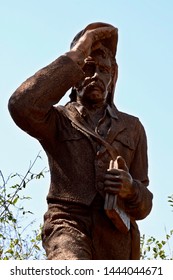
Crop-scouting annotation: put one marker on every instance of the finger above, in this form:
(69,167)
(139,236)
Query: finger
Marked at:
(115,172)
(113,177)
(96,45)
(121,163)
(101,33)
(111,164)
(112,190)
(108,183)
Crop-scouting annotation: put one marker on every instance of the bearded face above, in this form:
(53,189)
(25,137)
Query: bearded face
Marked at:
(96,84)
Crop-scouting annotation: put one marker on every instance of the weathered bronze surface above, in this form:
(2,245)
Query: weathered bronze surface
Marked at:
(96,153)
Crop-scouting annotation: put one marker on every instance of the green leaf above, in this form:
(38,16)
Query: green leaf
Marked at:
(10,251)
(15,200)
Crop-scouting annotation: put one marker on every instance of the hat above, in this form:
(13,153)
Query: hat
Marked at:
(110,43)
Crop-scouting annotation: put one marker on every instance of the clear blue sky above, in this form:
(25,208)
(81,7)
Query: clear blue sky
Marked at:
(34,33)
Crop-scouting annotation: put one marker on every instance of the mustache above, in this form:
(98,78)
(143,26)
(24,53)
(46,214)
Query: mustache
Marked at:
(91,82)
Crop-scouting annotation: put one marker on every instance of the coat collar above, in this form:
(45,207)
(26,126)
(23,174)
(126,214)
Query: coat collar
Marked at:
(77,114)
(83,111)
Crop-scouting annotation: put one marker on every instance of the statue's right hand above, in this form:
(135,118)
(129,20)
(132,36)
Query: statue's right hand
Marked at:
(91,39)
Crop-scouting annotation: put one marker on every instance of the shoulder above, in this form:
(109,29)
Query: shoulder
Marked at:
(128,119)
(67,112)
(132,123)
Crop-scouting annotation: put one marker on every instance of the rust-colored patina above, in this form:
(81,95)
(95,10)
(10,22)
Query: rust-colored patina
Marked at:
(83,140)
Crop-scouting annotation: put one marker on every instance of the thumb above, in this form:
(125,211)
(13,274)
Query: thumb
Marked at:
(121,164)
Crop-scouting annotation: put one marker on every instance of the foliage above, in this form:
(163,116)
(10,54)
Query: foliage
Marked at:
(17,239)
(170,200)
(151,248)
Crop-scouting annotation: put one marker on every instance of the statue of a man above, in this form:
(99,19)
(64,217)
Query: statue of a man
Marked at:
(94,151)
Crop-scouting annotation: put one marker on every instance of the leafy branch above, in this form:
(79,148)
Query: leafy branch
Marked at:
(15,242)
(151,248)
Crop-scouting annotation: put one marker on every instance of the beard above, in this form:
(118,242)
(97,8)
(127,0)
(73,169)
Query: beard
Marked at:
(92,93)
(91,89)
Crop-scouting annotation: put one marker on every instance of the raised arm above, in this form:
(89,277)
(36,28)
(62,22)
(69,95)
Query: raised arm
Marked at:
(31,105)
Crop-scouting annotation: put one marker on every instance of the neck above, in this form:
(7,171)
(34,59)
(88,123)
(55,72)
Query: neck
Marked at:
(95,111)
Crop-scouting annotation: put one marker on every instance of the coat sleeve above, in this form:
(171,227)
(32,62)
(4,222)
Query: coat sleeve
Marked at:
(140,205)
(31,105)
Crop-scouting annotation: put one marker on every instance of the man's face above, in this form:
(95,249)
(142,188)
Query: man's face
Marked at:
(95,86)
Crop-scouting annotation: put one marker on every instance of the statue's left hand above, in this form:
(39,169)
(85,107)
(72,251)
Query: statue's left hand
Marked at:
(118,180)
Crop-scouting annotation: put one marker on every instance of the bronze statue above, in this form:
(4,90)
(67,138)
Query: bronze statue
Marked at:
(97,155)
